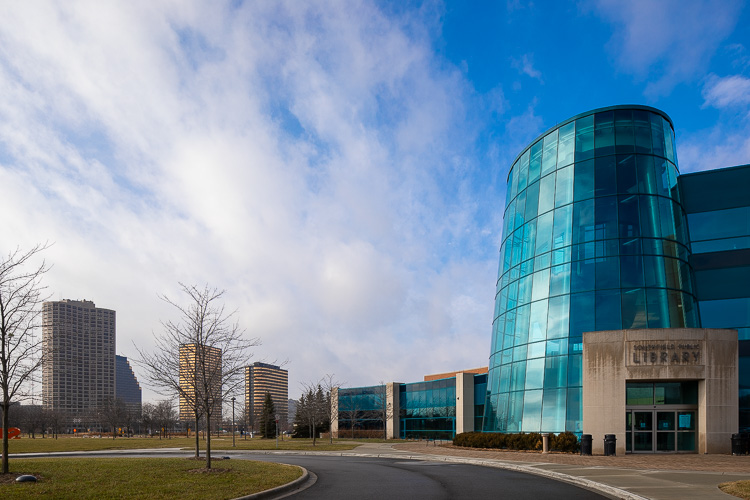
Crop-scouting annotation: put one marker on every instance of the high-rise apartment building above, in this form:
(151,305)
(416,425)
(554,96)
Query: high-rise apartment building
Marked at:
(78,370)
(262,378)
(200,373)
(127,388)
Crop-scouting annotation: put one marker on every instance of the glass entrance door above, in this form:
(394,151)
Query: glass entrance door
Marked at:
(662,430)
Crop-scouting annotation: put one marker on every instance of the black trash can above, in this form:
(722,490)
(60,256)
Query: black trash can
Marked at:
(586,444)
(610,445)
(736,445)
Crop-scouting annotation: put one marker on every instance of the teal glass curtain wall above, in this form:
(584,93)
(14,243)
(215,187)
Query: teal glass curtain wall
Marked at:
(594,238)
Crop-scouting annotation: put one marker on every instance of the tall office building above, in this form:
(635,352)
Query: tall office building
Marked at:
(127,388)
(200,373)
(597,319)
(78,369)
(262,378)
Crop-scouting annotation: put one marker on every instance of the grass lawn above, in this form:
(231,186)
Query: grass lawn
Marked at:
(151,478)
(39,445)
(737,488)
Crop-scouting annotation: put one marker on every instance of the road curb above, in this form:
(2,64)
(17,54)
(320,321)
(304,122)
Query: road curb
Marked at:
(280,490)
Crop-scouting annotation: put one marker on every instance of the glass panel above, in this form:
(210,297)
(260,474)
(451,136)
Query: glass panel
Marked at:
(627,176)
(649,220)
(549,159)
(564,188)
(685,420)
(657,308)
(544,233)
(532,411)
(639,393)
(604,133)
(665,421)
(523,162)
(686,441)
(605,176)
(522,324)
(624,139)
(517,376)
(628,216)
(643,441)
(606,218)
(583,183)
(608,310)
(566,147)
(536,350)
(523,174)
(534,374)
(631,271)
(634,309)
(547,193)
(643,140)
(584,226)
(555,372)
(657,134)
(575,370)
(646,174)
(557,324)
(553,410)
(665,441)
(560,280)
(573,421)
(541,285)
(538,323)
(583,275)
(585,138)
(562,231)
(642,420)
(608,273)
(535,161)
(532,201)
(581,317)
(515,412)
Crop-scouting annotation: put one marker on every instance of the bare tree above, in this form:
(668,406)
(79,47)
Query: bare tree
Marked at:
(113,413)
(165,417)
(330,387)
(21,297)
(200,358)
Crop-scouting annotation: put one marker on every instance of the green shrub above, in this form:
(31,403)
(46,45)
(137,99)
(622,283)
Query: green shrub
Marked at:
(565,441)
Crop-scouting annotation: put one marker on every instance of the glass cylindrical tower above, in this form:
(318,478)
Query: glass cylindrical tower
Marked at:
(594,238)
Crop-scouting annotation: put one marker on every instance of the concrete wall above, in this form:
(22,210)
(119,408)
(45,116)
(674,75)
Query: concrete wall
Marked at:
(335,411)
(610,358)
(464,402)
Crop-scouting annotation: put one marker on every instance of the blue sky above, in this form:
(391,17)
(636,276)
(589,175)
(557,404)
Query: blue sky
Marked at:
(338,167)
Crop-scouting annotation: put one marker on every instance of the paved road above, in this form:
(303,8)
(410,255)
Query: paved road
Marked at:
(377,478)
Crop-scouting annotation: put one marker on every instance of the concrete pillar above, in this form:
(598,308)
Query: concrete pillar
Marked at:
(464,402)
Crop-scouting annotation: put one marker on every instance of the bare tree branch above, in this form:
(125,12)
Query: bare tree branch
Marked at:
(200,357)
(21,297)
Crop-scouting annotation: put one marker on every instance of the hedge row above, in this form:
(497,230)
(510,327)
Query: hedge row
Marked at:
(565,441)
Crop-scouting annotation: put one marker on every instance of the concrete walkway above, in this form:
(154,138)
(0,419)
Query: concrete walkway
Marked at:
(661,477)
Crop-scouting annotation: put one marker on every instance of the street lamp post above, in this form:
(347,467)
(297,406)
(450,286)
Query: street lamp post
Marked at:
(233,399)
(277,431)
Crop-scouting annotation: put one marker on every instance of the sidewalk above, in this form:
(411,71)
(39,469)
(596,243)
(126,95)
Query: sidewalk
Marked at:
(661,477)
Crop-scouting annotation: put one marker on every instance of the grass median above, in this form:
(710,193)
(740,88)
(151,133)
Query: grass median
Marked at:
(152,478)
(47,445)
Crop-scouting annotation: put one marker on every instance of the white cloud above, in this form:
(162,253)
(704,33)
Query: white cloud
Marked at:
(525,66)
(669,41)
(728,91)
(306,157)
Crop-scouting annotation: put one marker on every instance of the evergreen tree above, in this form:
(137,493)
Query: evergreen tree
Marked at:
(268,418)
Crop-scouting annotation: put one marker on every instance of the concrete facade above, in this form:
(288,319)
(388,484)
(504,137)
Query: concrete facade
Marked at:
(393,408)
(708,356)
(464,402)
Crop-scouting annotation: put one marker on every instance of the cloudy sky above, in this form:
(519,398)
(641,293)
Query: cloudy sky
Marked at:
(337,167)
